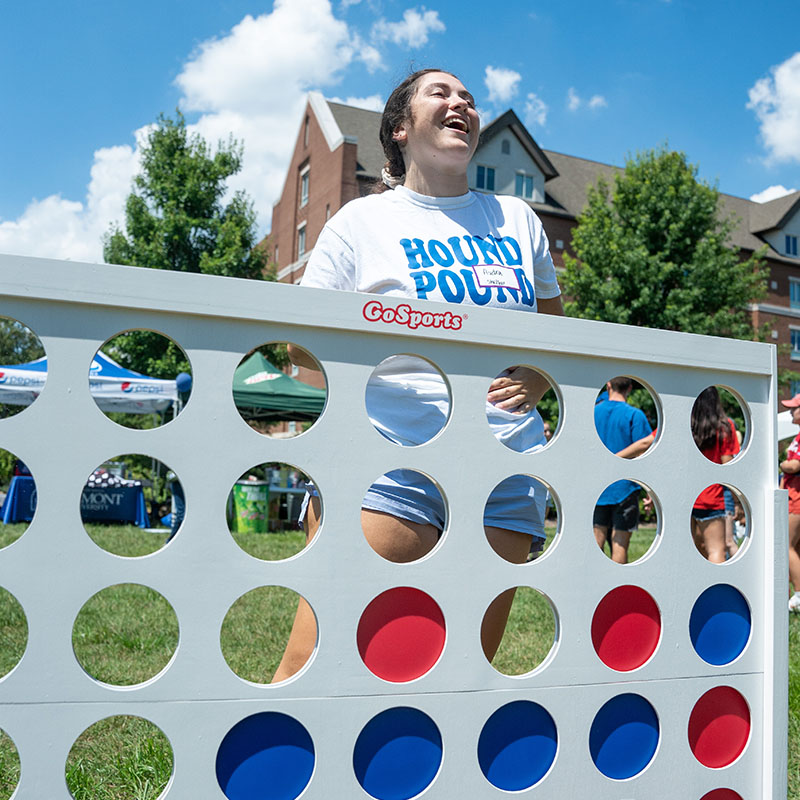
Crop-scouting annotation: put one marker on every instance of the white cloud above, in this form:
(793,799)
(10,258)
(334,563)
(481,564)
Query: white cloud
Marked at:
(535,111)
(573,99)
(413,31)
(266,58)
(60,228)
(771,193)
(250,83)
(372,103)
(502,84)
(776,103)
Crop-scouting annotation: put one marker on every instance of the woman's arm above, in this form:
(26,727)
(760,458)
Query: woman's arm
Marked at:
(637,448)
(790,467)
(550,305)
(522,388)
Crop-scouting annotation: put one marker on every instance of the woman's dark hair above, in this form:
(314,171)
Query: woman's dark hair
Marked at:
(396,111)
(709,420)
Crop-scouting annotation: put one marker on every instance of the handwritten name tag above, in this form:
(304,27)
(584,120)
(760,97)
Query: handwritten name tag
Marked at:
(496,275)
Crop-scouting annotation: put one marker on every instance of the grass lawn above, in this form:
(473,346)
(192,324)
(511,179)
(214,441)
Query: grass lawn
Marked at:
(127,633)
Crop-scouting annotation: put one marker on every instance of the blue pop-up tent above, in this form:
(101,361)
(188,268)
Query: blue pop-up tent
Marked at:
(112,386)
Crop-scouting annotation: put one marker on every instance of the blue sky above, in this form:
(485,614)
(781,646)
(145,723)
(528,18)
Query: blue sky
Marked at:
(717,79)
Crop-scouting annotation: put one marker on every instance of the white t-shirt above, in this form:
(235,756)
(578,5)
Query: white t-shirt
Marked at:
(475,249)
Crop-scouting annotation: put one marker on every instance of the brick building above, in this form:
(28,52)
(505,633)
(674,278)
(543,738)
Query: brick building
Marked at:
(337,157)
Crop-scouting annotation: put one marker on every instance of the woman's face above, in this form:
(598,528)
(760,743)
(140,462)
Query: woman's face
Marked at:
(796,415)
(443,129)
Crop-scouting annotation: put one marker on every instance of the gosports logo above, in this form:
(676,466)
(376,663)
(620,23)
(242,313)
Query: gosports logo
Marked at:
(374,311)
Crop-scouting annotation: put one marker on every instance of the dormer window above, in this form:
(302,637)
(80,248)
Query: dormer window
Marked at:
(791,245)
(524,186)
(484,178)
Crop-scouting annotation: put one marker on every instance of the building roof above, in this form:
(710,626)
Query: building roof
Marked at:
(773,214)
(567,178)
(363,126)
(569,190)
(511,121)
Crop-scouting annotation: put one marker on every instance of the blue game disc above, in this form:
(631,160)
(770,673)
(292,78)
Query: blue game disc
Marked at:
(720,624)
(267,756)
(624,736)
(397,754)
(517,745)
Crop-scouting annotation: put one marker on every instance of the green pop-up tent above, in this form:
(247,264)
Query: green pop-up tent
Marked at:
(261,391)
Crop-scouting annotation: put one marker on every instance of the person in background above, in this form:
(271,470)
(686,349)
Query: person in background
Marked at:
(178,502)
(790,479)
(715,436)
(625,431)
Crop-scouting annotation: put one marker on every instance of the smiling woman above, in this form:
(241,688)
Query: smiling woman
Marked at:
(425,236)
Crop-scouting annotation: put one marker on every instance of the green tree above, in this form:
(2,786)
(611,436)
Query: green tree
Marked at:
(175,219)
(18,344)
(654,251)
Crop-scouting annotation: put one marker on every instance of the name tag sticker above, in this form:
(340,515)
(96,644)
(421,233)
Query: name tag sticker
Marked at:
(496,275)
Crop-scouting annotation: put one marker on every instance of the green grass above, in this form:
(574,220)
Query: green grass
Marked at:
(13,632)
(271,546)
(9,766)
(128,633)
(125,634)
(126,540)
(119,757)
(11,532)
(255,631)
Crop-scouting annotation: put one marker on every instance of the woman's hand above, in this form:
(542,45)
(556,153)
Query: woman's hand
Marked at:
(518,390)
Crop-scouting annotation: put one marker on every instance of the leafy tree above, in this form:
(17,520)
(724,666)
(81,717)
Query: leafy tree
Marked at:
(18,344)
(175,219)
(654,251)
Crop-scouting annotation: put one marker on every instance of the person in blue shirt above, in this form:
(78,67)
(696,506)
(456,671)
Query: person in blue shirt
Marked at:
(625,431)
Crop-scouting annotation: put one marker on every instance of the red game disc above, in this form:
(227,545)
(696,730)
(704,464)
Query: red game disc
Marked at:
(401,634)
(719,727)
(626,627)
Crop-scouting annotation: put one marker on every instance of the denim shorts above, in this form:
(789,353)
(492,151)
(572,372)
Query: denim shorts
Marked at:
(518,503)
(705,514)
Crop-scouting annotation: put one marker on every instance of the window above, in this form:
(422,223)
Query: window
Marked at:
(304,180)
(794,292)
(524,186)
(327,211)
(277,260)
(301,240)
(295,370)
(485,178)
(305,133)
(795,334)
(794,387)
(791,245)
(505,147)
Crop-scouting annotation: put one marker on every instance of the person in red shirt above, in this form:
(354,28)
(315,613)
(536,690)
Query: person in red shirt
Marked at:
(715,435)
(791,481)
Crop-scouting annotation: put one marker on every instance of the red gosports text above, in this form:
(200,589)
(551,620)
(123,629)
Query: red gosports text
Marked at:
(374,311)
